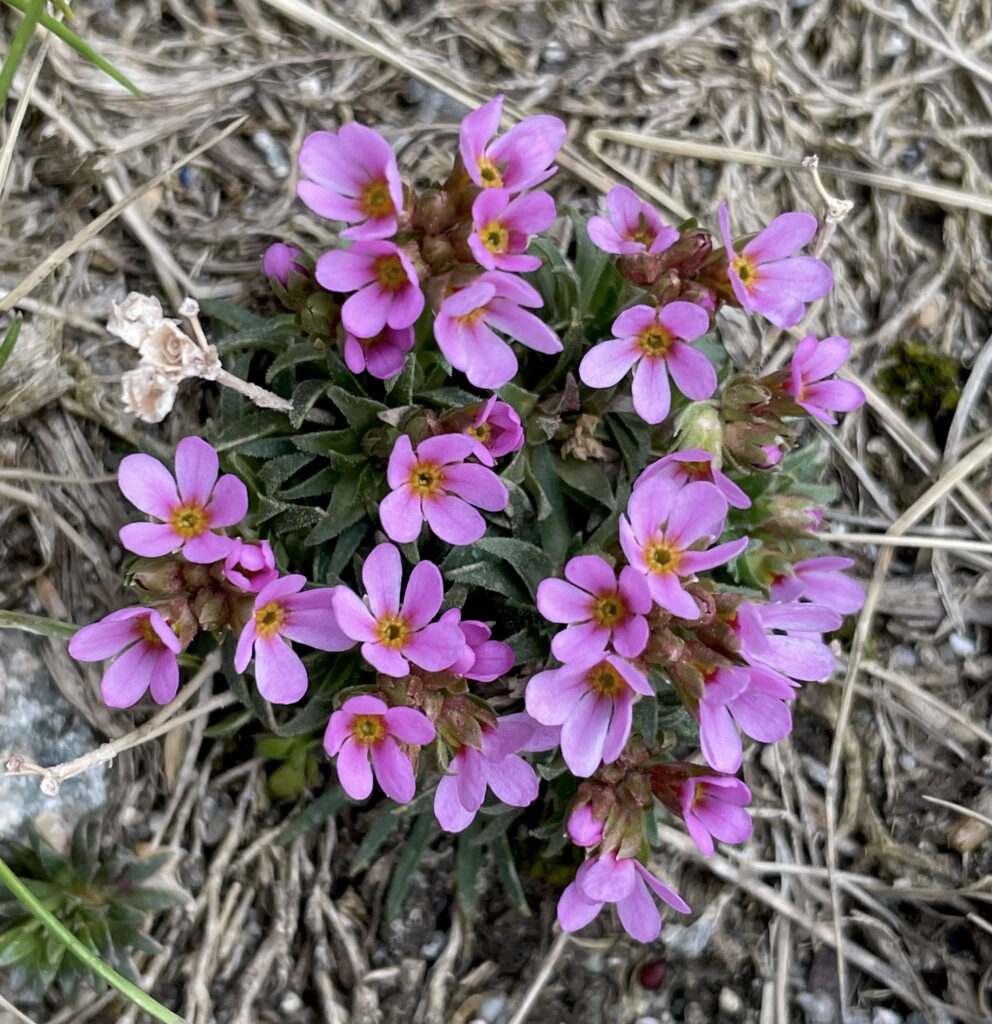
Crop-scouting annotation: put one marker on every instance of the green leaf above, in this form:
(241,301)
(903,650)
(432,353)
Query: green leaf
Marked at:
(507,868)
(9,340)
(37,624)
(489,576)
(295,355)
(529,561)
(315,814)
(81,47)
(646,719)
(410,854)
(468,860)
(237,432)
(382,828)
(329,442)
(232,315)
(277,471)
(20,942)
(588,478)
(346,507)
(400,387)
(305,397)
(633,440)
(322,482)
(556,531)
(360,413)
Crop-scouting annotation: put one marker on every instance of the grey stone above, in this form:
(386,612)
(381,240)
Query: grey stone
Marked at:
(492,1007)
(40,725)
(818,1007)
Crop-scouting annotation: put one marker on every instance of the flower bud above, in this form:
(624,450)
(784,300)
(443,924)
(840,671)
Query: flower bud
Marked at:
(699,426)
(279,261)
(434,212)
(160,577)
(688,254)
(642,268)
(583,828)
(320,316)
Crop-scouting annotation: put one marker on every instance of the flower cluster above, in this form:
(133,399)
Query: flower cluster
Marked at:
(596,539)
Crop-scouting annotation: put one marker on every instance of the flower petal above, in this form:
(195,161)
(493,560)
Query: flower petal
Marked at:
(453,520)
(148,485)
(354,770)
(229,504)
(393,770)
(279,673)
(150,539)
(197,466)
(409,725)
(382,575)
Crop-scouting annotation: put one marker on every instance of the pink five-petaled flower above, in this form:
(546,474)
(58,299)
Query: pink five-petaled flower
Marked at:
(354,178)
(819,580)
(713,808)
(149,659)
(383,355)
(387,290)
(503,227)
(436,485)
(251,567)
(624,881)
(603,608)
(483,659)
(799,653)
(497,765)
(630,226)
(695,464)
(520,159)
(279,261)
(654,339)
(496,431)
(763,276)
(283,614)
(811,363)
(753,699)
(190,507)
(392,635)
(592,699)
(467,322)
(365,726)
(667,521)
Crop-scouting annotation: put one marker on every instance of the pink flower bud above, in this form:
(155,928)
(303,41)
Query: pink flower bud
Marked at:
(583,828)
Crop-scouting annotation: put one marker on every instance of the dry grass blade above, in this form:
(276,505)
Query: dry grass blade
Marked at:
(548,964)
(64,251)
(975,459)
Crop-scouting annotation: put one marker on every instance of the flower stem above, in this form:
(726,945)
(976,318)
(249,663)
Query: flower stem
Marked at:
(82,953)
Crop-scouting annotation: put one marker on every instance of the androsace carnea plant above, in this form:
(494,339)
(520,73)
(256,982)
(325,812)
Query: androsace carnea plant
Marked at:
(511,532)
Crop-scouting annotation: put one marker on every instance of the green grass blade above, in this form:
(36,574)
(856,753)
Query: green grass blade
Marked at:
(80,46)
(82,953)
(9,340)
(33,10)
(37,624)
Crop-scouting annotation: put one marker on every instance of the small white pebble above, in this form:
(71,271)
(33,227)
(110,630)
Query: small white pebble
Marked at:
(962,646)
(730,1003)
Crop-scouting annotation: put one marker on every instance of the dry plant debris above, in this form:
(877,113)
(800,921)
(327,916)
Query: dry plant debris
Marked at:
(895,100)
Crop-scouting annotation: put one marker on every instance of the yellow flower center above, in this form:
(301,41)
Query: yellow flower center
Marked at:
(367,730)
(605,681)
(490,174)
(655,341)
(608,610)
(473,316)
(481,433)
(393,632)
(696,470)
(269,619)
(746,270)
(148,635)
(376,200)
(189,520)
(495,238)
(426,479)
(390,272)
(643,234)
(661,558)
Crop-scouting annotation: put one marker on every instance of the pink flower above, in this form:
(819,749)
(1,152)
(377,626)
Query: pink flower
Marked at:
(496,431)
(765,281)
(386,287)
(252,567)
(624,881)
(654,340)
(801,656)
(279,261)
(483,659)
(592,699)
(393,635)
(606,610)
(503,226)
(382,355)
(190,507)
(583,828)
(695,464)
(366,727)
(149,659)
(662,536)
(520,159)
(753,699)
(466,325)
(811,363)
(819,580)
(283,614)
(630,226)
(713,808)
(354,178)
(437,485)
(461,791)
